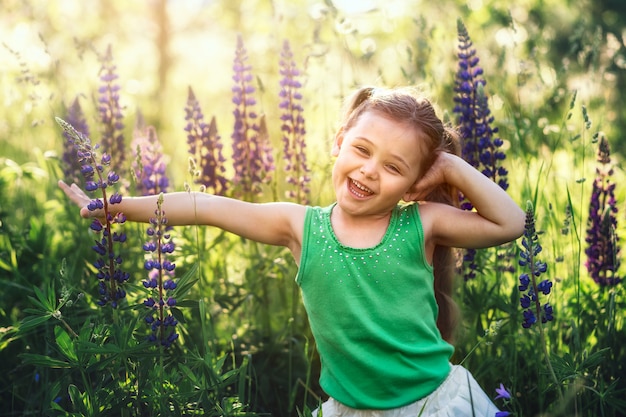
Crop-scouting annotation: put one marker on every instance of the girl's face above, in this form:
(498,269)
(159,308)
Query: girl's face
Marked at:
(378,163)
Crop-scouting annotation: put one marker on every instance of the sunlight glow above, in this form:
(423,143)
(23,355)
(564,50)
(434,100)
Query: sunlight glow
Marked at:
(508,37)
(356,6)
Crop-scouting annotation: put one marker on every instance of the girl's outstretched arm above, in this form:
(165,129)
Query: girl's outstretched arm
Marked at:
(497,218)
(270,223)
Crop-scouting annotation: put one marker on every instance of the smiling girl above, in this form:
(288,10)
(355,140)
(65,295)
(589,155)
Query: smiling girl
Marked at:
(375,266)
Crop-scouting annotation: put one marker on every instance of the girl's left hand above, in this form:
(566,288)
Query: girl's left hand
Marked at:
(434,177)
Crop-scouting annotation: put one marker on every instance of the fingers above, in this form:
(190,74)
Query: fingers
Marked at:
(77,196)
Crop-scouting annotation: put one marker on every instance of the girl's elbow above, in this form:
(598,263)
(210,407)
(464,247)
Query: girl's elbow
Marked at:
(518,225)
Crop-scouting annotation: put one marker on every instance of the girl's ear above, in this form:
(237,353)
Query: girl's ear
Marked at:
(338,142)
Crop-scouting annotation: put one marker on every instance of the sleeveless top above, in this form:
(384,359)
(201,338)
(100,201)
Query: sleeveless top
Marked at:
(373,313)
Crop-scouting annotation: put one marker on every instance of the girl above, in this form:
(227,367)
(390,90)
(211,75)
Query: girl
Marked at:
(375,273)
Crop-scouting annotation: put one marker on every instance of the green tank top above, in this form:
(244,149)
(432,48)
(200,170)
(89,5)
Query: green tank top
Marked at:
(373,313)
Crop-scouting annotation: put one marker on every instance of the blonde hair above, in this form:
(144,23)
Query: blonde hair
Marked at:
(407,105)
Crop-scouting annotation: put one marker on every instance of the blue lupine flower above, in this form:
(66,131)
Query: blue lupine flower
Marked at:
(205,147)
(603,247)
(547,313)
(252,154)
(110,110)
(503,414)
(293,128)
(529,319)
(160,280)
(529,285)
(109,274)
(544,286)
(481,148)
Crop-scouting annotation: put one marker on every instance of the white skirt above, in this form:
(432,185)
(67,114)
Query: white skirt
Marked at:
(458,396)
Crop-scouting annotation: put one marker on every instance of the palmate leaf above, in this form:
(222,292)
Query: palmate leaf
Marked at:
(568,367)
(45,308)
(45,303)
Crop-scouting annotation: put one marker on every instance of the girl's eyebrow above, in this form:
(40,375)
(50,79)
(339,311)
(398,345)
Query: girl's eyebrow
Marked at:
(394,156)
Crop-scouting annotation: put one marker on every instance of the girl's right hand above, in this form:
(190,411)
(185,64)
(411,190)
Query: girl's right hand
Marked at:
(78,197)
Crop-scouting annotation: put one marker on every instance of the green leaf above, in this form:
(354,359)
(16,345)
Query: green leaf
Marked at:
(79,399)
(47,302)
(43,360)
(178,315)
(189,373)
(65,343)
(40,307)
(5,266)
(186,282)
(31,322)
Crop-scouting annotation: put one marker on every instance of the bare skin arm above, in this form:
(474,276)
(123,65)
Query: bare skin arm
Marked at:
(497,218)
(270,223)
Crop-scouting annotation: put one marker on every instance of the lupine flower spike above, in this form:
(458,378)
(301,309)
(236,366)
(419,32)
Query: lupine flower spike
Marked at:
(110,275)
(111,117)
(149,165)
(71,166)
(205,148)
(530,283)
(293,129)
(481,148)
(160,280)
(252,154)
(603,260)
(532,288)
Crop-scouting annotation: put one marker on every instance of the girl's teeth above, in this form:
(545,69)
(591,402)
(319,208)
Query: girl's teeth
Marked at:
(362,187)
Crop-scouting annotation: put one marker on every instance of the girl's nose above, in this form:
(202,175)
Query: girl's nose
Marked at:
(368,170)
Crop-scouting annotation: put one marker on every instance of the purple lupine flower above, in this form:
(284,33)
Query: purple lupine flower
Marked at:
(71,167)
(149,165)
(481,148)
(110,236)
(529,285)
(111,117)
(603,246)
(293,128)
(252,153)
(160,280)
(205,147)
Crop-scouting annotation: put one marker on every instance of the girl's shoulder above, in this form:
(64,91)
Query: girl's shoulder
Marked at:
(430,212)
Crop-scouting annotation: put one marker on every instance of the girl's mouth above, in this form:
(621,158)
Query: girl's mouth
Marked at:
(359,190)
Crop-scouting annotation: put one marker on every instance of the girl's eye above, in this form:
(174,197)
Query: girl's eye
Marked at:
(393,168)
(362,150)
